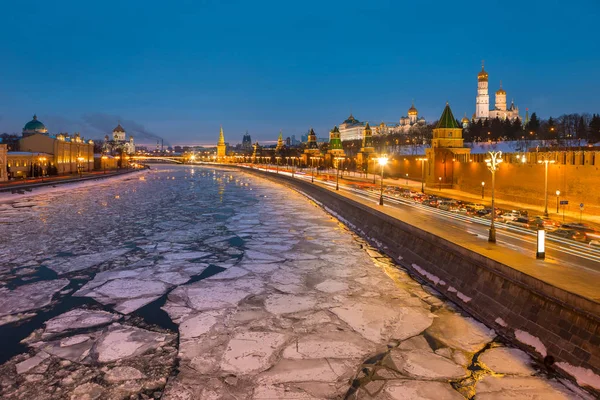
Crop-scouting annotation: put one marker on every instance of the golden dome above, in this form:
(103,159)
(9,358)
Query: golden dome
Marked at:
(465,120)
(482,75)
(501,91)
(412,110)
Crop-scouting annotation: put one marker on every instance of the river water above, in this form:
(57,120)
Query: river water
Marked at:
(198,283)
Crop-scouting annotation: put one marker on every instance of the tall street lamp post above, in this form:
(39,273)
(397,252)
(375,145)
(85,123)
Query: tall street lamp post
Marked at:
(337,177)
(103,158)
(493,163)
(482,188)
(557,200)
(422,173)
(80,159)
(382,161)
(546,160)
(42,161)
(406,179)
(440,179)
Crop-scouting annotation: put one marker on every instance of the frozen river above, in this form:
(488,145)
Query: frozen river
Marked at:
(194,283)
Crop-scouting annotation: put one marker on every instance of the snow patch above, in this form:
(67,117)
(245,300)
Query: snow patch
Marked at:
(583,376)
(530,340)
(463,297)
(426,274)
(501,322)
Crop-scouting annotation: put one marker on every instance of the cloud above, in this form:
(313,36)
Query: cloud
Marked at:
(104,124)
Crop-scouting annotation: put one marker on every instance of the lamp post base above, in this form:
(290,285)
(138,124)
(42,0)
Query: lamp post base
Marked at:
(492,237)
(540,255)
(380,200)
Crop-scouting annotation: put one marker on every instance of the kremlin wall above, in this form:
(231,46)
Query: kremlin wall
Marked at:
(575,174)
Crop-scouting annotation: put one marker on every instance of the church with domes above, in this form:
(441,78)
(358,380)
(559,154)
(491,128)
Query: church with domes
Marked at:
(119,142)
(482,101)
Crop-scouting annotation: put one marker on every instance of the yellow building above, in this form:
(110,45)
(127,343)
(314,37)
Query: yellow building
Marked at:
(3,163)
(23,164)
(41,153)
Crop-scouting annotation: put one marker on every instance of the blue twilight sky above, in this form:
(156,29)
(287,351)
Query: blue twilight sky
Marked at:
(179,69)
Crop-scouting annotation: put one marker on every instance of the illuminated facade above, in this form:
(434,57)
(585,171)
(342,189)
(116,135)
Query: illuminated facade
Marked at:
(41,153)
(311,152)
(3,162)
(482,101)
(119,143)
(221,146)
(353,129)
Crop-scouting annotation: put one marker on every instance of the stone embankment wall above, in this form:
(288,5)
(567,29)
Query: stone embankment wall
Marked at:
(555,326)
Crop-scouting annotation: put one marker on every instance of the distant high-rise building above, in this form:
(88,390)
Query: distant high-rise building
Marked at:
(247,142)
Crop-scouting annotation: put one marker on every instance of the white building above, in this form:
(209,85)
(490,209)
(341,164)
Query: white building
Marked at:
(119,140)
(353,129)
(482,101)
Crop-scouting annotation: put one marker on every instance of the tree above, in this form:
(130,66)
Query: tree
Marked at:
(594,129)
(533,126)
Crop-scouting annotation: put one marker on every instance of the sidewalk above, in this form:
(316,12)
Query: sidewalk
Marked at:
(28,184)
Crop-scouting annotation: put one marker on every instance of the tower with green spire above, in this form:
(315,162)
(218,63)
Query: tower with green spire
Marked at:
(447,148)
(336,150)
(221,146)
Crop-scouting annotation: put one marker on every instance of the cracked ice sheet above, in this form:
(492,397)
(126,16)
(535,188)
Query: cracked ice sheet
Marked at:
(29,297)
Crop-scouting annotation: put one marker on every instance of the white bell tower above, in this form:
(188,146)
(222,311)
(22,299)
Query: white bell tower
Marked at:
(482,103)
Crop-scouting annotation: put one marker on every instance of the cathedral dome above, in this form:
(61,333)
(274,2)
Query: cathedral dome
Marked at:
(501,91)
(465,120)
(412,110)
(119,128)
(35,126)
(482,75)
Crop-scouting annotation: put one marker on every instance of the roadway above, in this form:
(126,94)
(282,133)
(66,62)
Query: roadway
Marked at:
(564,258)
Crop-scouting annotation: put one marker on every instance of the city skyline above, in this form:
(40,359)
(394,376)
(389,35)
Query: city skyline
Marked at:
(271,67)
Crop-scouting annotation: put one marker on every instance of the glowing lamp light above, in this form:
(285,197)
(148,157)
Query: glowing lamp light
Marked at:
(382,160)
(541,244)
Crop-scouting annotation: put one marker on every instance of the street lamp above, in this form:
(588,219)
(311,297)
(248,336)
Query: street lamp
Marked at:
(337,177)
(482,187)
(440,179)
(80,159)
(422,159)
(104,158)
(546,160)
(493,163)
(406,179)
(557,195)
(42,160)
(382,161)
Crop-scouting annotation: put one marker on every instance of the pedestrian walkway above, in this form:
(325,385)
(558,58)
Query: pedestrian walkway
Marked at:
(28,184)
